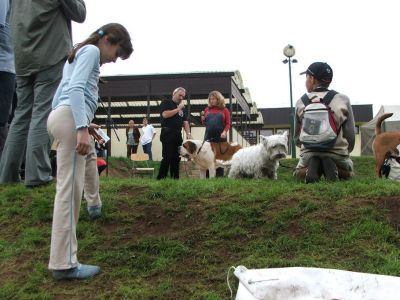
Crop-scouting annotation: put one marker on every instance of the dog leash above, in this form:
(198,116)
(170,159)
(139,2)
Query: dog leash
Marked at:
(198,151)
(220,149)
(219,144)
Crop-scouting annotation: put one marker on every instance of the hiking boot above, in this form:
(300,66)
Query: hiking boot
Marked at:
(330,169)
(79,272)
(94,212)
(314,170)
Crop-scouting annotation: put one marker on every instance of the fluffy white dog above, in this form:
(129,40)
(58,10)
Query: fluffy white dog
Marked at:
(261,160)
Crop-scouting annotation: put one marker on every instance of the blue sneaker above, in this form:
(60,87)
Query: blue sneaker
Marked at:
(94,211)
(79,272)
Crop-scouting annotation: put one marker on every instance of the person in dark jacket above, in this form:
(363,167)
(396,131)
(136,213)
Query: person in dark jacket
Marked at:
(173,117)
(132,138)
(41,40)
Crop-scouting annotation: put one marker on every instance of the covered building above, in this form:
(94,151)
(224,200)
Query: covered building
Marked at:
(132,97)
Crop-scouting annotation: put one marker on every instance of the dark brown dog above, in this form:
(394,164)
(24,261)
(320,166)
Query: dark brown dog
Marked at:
(385,144)
(224,150)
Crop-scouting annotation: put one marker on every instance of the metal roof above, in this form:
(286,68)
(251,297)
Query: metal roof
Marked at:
(136,96)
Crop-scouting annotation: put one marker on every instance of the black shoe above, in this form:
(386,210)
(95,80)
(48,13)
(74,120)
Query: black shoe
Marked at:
(314,170)
(330,169)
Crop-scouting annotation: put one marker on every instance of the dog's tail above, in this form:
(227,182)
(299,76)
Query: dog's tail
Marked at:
(383,117)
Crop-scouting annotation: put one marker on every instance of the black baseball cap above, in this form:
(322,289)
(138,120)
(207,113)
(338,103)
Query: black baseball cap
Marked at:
(320,71)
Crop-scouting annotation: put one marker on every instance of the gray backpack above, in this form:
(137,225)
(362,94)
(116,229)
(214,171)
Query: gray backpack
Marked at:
(318,127)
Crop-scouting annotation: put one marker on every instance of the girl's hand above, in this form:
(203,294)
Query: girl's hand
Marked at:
(83,141)
(223,135)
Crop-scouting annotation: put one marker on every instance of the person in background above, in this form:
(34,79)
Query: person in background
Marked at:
(7,71)
(132,138)
(217,119)
(335,162)
(147,138)
(41,40)
(173,117)
(101,164)
(69,124)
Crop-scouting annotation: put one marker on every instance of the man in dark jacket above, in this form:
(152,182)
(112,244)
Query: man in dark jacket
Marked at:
(173,117)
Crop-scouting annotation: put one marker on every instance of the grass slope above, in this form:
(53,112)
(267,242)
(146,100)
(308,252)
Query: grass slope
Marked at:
(176,239)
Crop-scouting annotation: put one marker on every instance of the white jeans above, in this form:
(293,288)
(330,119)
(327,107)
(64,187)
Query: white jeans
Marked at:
(74,171)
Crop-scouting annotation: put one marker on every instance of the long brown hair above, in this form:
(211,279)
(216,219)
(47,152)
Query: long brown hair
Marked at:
(117,35)
(219,97)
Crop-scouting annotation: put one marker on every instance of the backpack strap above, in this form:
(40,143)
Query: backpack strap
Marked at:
(305,99)
(326,100)
(328,97)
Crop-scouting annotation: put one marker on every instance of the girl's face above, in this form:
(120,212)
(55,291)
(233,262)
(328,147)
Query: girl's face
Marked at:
(213,101)
(108,51)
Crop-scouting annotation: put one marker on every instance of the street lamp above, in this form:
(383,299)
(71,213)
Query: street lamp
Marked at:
(289,52)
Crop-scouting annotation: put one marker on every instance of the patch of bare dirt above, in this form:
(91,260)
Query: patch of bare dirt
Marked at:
(391,207)
(117,169)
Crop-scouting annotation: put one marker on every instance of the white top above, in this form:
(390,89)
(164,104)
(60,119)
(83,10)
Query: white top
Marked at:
(147,136)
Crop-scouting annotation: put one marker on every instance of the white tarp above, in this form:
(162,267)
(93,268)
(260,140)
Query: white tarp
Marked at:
(314,283)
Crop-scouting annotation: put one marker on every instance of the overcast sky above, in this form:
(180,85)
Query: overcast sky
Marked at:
(359,40)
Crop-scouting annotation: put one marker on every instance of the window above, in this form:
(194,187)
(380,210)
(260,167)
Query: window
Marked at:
(282,130)
(266,132)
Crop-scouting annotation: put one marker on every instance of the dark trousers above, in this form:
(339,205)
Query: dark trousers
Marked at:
(28,130)
(219,172)
(170,143)
(131,149)
(101,168)
(7,87)
(147,150)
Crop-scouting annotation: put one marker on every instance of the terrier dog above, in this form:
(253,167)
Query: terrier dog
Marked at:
(385,144)
(208,155)
(261,160)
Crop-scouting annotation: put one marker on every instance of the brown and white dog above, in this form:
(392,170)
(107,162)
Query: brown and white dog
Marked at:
(385,144)
(206,154)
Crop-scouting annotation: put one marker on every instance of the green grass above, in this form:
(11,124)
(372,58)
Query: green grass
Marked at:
(176,239)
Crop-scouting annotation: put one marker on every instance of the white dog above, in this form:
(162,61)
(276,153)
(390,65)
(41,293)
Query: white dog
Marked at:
(261,160)
(208,156)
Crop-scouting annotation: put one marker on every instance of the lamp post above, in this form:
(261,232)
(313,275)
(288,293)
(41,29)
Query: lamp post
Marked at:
(289,52)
